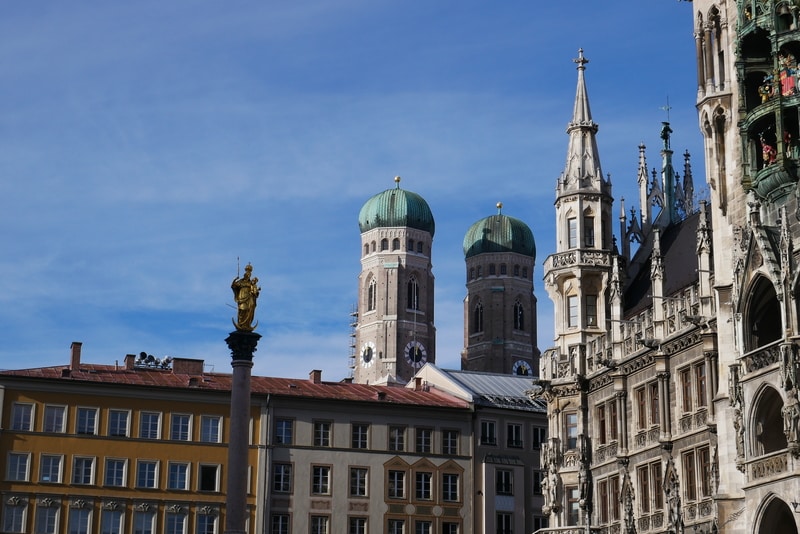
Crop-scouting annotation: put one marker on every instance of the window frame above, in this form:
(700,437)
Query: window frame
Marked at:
(323,434)
(211,429)
(180,425)
(147,473)
(282,477)
(113,429)
(321,479)
(359,481)
(18,466)
(359,435)
(174,477)
(80,464)
(451,487)
(86,421)
(423,439)
(53,408)
(45,461)
(118,472)
(284,431)
(397,438)
(204,475)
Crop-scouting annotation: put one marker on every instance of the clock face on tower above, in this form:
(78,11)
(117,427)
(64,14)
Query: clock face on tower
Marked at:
(367,354)
(522,368)
(416,355)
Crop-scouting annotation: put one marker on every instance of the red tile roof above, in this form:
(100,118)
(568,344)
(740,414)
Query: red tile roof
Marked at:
(259,385)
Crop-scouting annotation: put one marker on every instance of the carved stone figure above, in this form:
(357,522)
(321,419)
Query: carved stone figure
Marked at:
(791,417)
(245,293)
(738,425)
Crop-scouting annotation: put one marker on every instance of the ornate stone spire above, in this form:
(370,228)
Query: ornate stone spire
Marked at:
(583,163)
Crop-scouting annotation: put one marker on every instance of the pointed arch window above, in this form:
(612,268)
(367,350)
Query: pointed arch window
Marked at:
(372,289)
(519,316)
(763,318)
(477,318)
(413,294)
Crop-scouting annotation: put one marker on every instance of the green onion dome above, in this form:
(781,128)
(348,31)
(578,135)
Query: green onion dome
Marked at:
(396,207)
(499,233)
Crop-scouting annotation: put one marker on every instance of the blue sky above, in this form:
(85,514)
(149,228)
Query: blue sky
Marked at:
(145,146)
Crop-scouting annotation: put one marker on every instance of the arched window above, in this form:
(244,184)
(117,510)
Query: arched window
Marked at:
(503,268)
(768,433)
(519,316)
(373,246)
(480,273)
(413,294)
(384,244)
(516,270)
(777,517)
(763,317)
(419,247)
(395,244)
(372,289)
(491,269)
(411,245)
(477,318)
(472,274)
(366,249)
(524,272)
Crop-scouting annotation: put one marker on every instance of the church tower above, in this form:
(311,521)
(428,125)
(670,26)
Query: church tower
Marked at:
(500,307)
(395,333)
(578,274)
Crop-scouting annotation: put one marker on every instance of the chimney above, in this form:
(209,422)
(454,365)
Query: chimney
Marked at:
(315,376)
(75,359)
(417,383)
(129,359)
(187,366)
(381,395)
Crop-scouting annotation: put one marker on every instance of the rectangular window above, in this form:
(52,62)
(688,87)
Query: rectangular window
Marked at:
(17,469)
(22,416)
(207,524)
(397,485)
(111,522)
(573,495)
(178,476)
(644,489)
(488,433)
(357,525)
(588,232)
(689,477)
(504,482)
(319,524)
(146,474)
(539,437)
(358,481)
(612,420)
(450,528)
(514,435)
(397,438)
(320,480)
(118,423)
(54,419)
(13,517)
(700,383)
(423,485)
(46,519)
(450,487)
(149,424)
(505,523)
(144,522)
(175,523)
(571,420)
(210,426)
(115,472)
(282,478)
(280,524)
(686,389)
(641,408)
(83,470)
(423,527)
(613,496)
(572,232)
(602,500)
(360,433)
(704,468)
(283,431)
(654,419)
(87,421)
(537,481)
(79,520)
(208,477)
(450,442)
(656,480)
(424,439)
(50,468)
(600,414)
(591,310)
(397,526)
(572,311)
(322,433)
(180,429)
